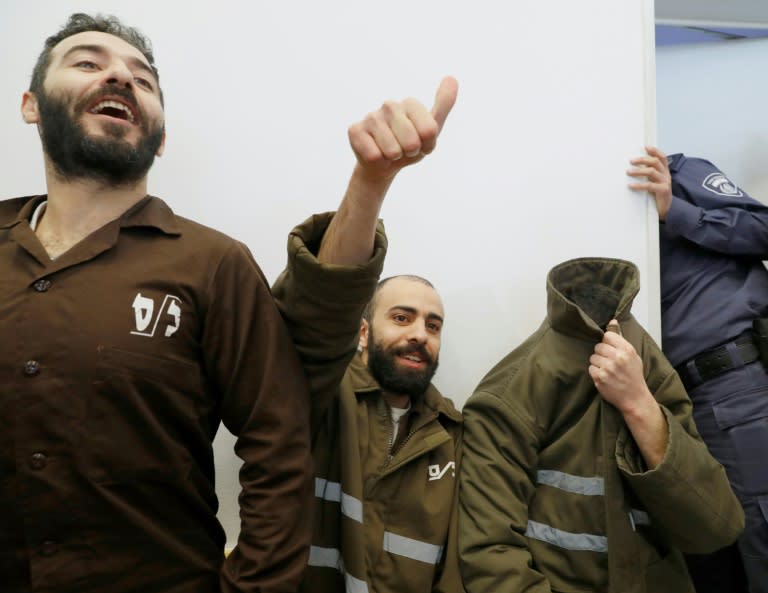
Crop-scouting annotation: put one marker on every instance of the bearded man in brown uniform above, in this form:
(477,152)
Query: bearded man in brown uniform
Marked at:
(131,333)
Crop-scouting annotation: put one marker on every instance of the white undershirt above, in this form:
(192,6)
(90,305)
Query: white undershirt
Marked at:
(37,215)
(397,414)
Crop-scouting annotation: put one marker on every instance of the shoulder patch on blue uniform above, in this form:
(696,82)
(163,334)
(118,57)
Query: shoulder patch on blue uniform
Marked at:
(719,184)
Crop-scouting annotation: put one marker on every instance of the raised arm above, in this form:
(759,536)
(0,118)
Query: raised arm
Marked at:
(395,136)
(334,260)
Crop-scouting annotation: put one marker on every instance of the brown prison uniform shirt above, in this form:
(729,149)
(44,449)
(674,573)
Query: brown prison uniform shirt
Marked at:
(118,360)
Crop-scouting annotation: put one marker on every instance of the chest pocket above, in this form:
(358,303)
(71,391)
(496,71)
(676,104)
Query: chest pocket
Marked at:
(143,417)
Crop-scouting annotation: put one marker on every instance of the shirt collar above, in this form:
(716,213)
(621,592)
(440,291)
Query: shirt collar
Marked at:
(147,212)
(151,212)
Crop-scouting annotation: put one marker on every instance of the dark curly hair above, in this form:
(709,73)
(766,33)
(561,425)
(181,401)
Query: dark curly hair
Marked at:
(80,23)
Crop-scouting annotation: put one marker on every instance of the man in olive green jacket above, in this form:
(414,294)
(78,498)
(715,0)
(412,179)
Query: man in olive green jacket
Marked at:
(395,535)
(385,512)
(387,450)
(583,470)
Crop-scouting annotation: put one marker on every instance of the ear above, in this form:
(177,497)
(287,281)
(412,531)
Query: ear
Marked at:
(29,108)
(161,148)
(362,341)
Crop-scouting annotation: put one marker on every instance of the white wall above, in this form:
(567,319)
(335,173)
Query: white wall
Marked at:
(528,173)
(713,103)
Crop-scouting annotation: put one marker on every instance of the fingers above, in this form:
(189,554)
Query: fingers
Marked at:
(655,152)
(654,169)
(612,353)
(653,155)
(654,163)
(391,132)
(445,98)
(423,124)
(394,131)
(596,374)
(402,130)
(651,173)
(613,338)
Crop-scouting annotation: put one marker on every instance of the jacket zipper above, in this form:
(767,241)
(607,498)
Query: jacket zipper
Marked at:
(390,448)
(391,432)
(391,440)
(405,440)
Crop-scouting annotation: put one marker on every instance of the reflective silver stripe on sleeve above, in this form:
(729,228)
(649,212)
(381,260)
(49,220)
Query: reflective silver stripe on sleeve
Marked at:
(325,557)
(355,585)
(571,483)
(412,548)
(327,490)
(566,539)
(331,491)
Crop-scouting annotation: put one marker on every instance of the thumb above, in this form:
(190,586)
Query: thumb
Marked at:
(445,99)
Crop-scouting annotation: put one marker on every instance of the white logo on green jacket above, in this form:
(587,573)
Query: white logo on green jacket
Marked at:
(435,473)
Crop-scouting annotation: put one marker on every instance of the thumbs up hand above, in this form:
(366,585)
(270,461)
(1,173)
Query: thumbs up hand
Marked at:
(399,134)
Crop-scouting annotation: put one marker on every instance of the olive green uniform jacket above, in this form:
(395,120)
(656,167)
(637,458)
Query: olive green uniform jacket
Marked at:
(555,495)
(385,520)
(381,523)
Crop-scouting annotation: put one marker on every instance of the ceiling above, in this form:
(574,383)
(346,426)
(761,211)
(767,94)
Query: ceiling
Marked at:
(745,13)
(699,21)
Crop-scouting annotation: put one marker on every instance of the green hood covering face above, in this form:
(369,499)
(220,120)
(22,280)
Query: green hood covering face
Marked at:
(584,294)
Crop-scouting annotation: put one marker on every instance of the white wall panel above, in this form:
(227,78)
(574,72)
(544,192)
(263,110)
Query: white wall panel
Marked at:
(529,172)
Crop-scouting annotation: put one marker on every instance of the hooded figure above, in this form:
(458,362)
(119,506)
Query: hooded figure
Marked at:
(558,491)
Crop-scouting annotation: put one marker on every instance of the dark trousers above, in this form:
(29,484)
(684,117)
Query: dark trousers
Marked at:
(731,414)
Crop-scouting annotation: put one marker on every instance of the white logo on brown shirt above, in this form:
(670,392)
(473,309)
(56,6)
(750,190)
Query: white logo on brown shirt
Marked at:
(147,321)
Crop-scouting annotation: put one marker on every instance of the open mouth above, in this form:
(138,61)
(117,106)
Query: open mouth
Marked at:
(412,359)
(113,109)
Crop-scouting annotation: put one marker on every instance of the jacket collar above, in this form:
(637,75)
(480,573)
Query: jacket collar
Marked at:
(584,294)
(364,383)
(676,161)
(147,212)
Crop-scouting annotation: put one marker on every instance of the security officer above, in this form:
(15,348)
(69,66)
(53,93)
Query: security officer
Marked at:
(714,292)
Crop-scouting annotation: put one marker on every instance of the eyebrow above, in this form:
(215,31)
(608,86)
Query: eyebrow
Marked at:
(414,311)
(101,50)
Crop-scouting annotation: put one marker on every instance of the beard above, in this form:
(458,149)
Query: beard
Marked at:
(382,364)
(109,159)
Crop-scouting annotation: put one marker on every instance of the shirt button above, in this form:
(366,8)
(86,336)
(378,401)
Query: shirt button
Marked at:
(42,285)
(49,548)
(31,367)
(38,460)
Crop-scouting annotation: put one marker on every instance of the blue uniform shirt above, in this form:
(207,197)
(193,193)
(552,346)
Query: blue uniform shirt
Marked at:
(713,281)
